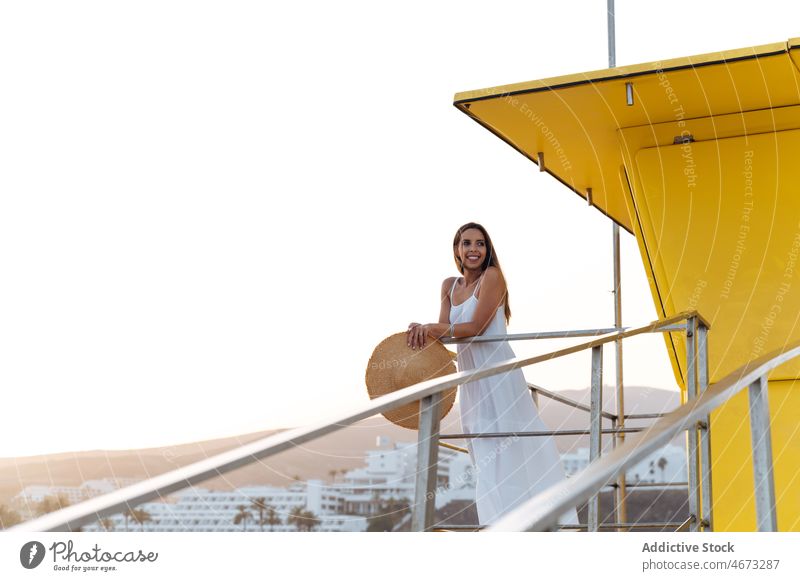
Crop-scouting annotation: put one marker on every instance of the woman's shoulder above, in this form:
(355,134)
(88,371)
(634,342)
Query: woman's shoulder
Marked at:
(447,283)
(494,276)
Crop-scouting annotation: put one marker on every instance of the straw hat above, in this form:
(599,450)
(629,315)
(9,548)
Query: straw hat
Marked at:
(394,365)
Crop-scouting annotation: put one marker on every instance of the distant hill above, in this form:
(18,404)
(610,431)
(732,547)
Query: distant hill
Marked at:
(342,450)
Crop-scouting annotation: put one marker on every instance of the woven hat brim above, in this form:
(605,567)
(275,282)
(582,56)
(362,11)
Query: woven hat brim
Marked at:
(394,365)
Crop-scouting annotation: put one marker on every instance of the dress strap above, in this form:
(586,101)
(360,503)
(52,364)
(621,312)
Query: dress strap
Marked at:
(480,280)
(452,289)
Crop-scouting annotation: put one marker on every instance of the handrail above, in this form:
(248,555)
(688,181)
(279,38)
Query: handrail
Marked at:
(569,402)
(574,333)
(541,512)
(535,335)
(156,487)
(575,432)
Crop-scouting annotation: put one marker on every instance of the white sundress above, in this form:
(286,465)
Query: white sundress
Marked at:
(508,470)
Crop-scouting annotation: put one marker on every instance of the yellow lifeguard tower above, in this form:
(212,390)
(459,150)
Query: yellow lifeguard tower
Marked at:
(699,158)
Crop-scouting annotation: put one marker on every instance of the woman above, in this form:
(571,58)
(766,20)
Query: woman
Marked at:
(509,469)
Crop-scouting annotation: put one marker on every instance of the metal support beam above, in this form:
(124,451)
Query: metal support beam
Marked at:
(707,521)
(691,432)
(612,43)
(595,418)
(668,328)
(766,516)
(535,396)
(424,509)
(620,508)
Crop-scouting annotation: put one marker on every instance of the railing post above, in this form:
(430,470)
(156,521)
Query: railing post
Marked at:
(424,509)
(766,516)
(707,523)
(620,491)
(595,435)
(691,433)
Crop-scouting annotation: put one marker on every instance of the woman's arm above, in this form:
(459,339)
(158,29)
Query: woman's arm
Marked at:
(444,312)
(417,331)
(493,289)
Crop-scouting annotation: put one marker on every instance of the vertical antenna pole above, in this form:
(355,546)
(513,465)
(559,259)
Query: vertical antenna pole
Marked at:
(619,438)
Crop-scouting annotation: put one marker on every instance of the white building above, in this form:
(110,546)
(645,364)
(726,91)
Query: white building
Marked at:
(198,509)
(390,472)
(667,464)
(345,505)
(25,502)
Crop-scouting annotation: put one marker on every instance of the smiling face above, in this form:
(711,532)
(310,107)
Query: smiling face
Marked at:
(472,249)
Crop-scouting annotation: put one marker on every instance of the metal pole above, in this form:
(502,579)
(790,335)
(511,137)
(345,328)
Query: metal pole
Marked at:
(766,516)
(424,509)
(705,431)
(595,437)
(620,508)
(691,432)
(612,48)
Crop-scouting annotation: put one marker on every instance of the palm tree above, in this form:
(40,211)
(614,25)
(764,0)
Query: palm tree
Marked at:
(8,517)
(332,474)
(662,463)
(51,504)
(312,521)
(259,504)
(273,518)
(141,516)
(126,515)
(390,513)
(107,524)
(137,516)
(242,516)
(296,518)
(303,520)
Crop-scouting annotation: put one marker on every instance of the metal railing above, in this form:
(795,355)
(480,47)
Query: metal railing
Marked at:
(541,512)
(428,393)
(695,325)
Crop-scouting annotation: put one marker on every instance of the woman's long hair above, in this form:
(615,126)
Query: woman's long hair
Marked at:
(490,260)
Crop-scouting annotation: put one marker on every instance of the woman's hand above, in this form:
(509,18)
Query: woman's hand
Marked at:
(417,335)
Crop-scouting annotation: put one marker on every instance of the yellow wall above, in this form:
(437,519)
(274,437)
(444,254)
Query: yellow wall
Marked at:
(732,467)
(719,230)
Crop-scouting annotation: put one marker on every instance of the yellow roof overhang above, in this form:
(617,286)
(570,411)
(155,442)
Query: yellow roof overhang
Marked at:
(573,122)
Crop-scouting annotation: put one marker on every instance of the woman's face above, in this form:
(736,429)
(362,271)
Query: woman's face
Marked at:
(472,249)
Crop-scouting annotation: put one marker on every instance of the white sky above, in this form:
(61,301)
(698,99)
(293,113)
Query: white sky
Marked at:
(213,211)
